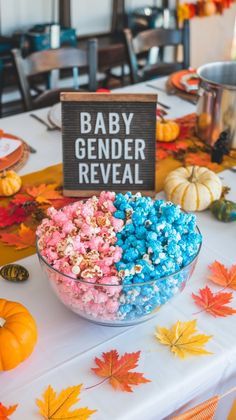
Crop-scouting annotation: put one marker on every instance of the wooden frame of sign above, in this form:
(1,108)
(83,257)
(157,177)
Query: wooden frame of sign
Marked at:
(109,143)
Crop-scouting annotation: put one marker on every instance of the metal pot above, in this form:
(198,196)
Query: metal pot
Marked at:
(216,107)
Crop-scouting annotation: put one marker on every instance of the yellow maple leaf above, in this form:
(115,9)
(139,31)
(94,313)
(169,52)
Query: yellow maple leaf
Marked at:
(57,407)
(182,340)
(44,193)
(232,413)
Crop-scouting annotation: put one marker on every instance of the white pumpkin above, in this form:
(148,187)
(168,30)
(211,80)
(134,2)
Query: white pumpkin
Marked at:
(194,188)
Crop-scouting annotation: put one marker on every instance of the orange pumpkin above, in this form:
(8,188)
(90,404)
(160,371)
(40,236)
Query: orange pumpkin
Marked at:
(209,8)
(18,334)
(167,130)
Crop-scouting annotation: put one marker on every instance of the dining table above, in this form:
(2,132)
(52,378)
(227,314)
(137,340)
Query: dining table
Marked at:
(67,344)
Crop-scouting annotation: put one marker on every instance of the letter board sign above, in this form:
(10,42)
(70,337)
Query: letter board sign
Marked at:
(109,143)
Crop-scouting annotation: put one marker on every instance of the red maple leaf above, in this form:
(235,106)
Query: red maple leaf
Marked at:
(222,276)
(21,199)
(117,370)
(64,201)
(6,411)
(167,145)
(11,215)
(214,303)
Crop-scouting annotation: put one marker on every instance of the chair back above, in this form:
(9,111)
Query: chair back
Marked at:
(160,37)
(44,62)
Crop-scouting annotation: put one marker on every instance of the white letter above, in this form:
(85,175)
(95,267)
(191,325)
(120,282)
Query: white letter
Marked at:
(127,121)
(80,150)
(91,148)
(83,173)
(103,148)
(100,125)
(139,148)
(94,173)
(105,173)
(127,175)
(116,152)
(114,126)
(136,174)
(115,173)
(128,149)
(85,126)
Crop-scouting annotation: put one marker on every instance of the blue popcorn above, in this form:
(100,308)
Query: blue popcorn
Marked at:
(157,241)
(119,214)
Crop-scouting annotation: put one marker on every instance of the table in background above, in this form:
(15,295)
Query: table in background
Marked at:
(67,344)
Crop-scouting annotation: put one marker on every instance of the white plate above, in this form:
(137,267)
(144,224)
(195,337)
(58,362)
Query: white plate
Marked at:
(8,146)
(54,115)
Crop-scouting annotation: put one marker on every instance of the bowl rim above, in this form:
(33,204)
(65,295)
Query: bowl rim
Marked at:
(120,285)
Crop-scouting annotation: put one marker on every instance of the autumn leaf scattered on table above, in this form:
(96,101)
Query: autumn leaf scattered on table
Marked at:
(53,406)
(161,154)
(9,216)
(24,238)
(214,303)
(202,159)
(205,410)
(232,413)
(22,199)
(5,412)
(182,340)
(44,193)
(116,370)
(222,276)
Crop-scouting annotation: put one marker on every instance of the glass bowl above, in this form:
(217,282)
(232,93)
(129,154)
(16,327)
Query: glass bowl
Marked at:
(116,305)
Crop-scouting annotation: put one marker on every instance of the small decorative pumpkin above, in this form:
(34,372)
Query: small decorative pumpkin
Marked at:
(167,130)
(224,210)
(194,188)
(204,120)
(10,183)
(18,334)
(209,8)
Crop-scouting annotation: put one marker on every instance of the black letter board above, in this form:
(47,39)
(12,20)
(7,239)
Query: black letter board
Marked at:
(109,143)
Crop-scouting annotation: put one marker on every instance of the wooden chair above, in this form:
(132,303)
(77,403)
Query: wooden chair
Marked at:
(140,46)
(44,62)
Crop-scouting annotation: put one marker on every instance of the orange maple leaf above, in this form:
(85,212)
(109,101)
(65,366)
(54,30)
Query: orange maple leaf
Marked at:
(205,410)
(161,154)
(223,276)
(116,370)
(202,159)
(44,193)
(24,238)
(214,304)
(7,411)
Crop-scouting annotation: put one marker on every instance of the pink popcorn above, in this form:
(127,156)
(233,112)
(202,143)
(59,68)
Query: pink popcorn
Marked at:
(86,230)
(79,241)
(68,227)
(112,306)
(79,246)
(117,224)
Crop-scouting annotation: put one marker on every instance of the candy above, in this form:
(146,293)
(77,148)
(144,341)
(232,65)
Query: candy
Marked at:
(118,256)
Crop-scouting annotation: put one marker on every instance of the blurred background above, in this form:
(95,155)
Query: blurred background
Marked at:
(28,25)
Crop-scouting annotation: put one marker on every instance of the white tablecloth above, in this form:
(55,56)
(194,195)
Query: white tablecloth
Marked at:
(67,344)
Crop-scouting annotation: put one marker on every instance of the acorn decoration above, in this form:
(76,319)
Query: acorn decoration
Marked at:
(14,273)
(224,210)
